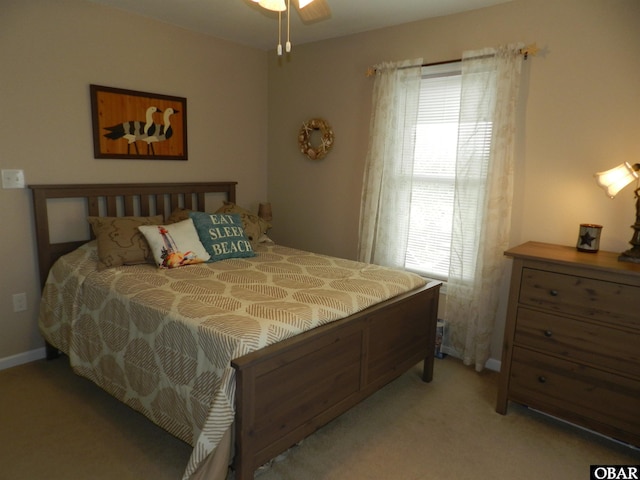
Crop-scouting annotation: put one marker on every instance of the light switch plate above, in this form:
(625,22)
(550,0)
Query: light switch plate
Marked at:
(12,179)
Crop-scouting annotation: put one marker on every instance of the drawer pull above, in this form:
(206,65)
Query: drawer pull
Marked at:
(553,293)
(548,333)
(542,379)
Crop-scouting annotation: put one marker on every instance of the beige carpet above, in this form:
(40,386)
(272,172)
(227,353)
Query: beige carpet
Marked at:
(58,426)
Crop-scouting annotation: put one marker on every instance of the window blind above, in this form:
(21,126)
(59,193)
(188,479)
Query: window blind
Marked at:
(441,136)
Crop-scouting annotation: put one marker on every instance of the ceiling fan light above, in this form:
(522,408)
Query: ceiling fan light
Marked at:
(303,3)
(274,5)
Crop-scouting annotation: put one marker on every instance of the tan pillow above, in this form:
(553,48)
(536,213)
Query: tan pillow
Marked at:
(254,226)
(178,215)
(119,240)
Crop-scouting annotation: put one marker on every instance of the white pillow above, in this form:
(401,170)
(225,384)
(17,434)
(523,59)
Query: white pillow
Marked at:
(175,245)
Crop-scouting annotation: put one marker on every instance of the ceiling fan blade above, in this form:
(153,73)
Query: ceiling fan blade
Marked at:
(316,11)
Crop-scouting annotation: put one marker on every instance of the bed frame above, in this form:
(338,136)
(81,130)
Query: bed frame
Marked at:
(288,390)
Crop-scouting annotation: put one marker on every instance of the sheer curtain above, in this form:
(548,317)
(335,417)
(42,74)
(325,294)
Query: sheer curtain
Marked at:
(483,191)
(482,216)
(386,194)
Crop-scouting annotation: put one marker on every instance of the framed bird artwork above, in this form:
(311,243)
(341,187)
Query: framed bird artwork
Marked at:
(128,124)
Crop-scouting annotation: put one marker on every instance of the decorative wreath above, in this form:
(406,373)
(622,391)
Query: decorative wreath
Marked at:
(304,138)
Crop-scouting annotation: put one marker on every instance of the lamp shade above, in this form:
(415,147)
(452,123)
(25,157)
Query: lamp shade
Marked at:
(617,178)
(304,3)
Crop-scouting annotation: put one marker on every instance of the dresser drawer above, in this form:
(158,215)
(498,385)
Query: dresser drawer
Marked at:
(586,297)
(595,344)
(581,394)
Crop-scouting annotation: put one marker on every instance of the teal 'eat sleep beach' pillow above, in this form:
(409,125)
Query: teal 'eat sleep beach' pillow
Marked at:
(222,235)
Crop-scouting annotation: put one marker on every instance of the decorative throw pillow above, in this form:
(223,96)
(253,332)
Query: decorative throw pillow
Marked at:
(254,226)
(175,245)
(222,235)
(119,241)
(178,215)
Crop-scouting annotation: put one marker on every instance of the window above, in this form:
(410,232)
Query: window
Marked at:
(440,137)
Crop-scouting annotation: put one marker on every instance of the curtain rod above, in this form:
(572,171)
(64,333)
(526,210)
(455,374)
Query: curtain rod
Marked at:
(525,51)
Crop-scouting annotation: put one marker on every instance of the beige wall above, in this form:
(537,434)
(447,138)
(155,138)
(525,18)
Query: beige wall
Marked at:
(580,104)
(50,52)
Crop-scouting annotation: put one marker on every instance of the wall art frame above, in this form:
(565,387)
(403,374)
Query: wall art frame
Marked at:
(129,124)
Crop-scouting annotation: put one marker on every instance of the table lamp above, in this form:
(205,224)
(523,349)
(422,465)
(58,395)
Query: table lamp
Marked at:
(613,181)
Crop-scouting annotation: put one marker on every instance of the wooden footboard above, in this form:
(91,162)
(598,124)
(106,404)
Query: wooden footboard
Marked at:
(287,391)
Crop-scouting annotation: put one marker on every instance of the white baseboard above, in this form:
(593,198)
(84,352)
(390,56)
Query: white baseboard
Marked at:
(21,358)
(493,364)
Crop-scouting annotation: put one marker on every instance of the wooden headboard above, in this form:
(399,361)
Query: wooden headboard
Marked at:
(114,200)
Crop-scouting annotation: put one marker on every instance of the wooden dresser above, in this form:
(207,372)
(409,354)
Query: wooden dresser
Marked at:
(572,338)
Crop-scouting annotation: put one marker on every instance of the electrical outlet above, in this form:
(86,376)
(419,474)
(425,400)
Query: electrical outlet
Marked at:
(12,178)
(19,302)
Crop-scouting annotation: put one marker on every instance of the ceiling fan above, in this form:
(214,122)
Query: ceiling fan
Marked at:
(309,10)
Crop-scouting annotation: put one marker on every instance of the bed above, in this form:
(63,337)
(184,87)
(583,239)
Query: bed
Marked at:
(281,388)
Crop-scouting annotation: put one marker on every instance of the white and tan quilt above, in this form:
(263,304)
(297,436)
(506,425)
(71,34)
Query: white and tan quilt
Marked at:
(161,341)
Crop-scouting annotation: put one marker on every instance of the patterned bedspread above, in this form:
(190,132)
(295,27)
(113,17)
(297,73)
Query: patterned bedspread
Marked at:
(161,341)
